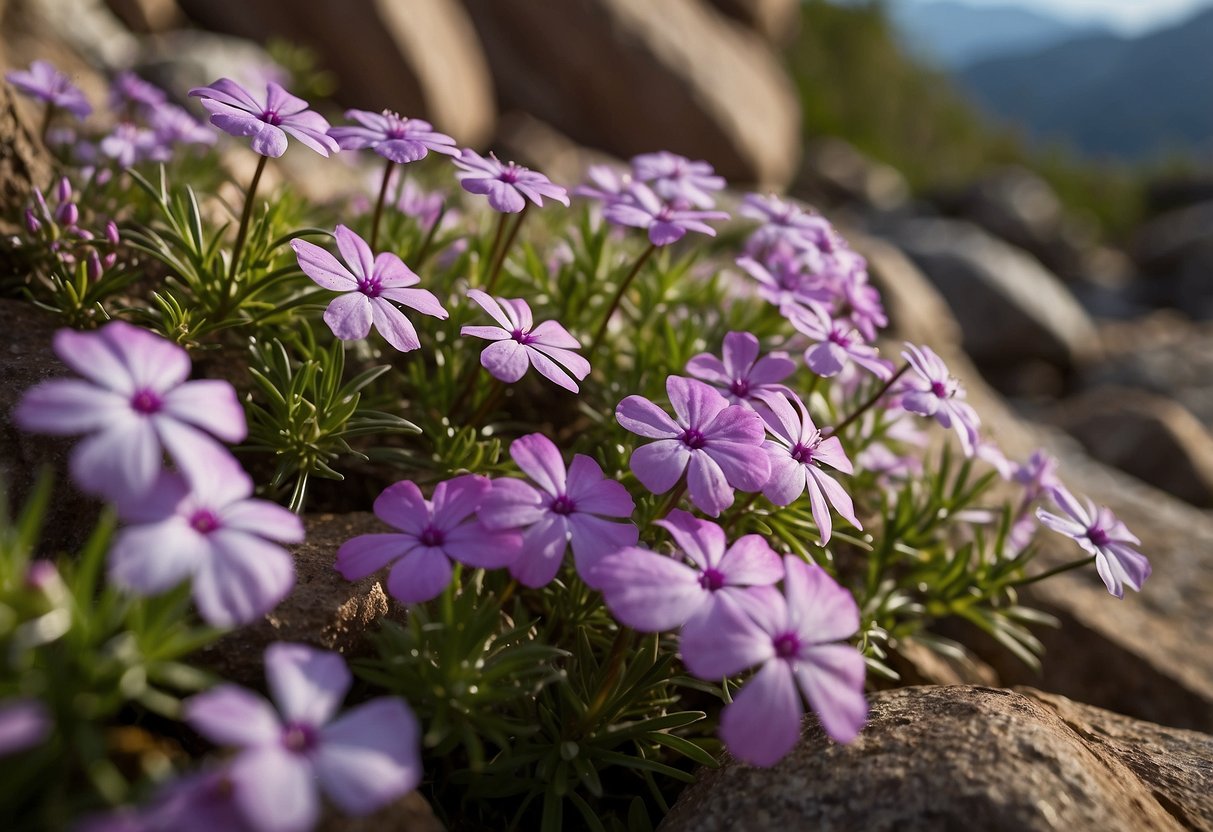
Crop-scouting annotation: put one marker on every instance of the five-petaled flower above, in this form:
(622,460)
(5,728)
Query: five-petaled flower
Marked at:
(507,185)
(678,179)
(368,287)
(838,342)
(234,110)
(1098,531)
(399,139)
(742,376)
(666,223)
(933,391)
(519,343)
(45,83)
(361,760)
(567,508)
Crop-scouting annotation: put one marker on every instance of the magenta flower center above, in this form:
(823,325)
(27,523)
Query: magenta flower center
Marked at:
(370,286)
(944,389)
(787,645)
(711,579)
(840,336)
(1098,536)
(803,453)
(522,337)
(563,505)
(299,737)
(146,402)
(740,387)
(509,173)
(693,438)
(271,117)
(431,536)
(204,521)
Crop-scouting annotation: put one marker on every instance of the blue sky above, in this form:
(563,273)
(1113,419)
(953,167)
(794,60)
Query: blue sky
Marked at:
(1125,16)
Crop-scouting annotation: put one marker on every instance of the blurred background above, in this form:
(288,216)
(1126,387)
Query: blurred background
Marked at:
(1047,165)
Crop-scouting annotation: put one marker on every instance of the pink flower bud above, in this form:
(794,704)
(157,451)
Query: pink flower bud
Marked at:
(93,265)
(111,233)
(31,222)
(68,214)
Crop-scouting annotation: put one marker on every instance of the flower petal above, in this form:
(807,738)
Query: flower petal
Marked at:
(120,462)
(231,715)
(153,558)
(751,561)
(370,756)
(474,545)
(322,267)
(696,403)
(700,540)
(762,724)
(819,608)
(831,676)
(593,493)
(68,407)
(721,640)
(639,415)
(457,498)
(594,538)
(659,465)
(706,483)
(349,316)
(421,575)
(307,684)
(647,591)
(210,404)
(276,790)
(368,553)
(542,551)
(505,360)
(540,459)
(244,578)
(395,328)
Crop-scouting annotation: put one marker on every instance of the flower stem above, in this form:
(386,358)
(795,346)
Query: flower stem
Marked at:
(424,251)
(387,180)
(501,221)
(866,406)
(1065,567)
(671,502)
(490,401)
(499,262)
(623,287)
(242,231)
(619,648)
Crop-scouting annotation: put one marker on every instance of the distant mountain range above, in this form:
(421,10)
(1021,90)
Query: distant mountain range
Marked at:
(1108,95)
(952,35)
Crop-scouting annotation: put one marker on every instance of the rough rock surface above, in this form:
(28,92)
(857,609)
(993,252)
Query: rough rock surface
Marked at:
(411,813)
(776,20)
(633,76)
(840,174)
(967,758)
(24,161)
(323,609)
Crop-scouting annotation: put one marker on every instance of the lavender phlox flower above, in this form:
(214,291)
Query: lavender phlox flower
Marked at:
(863,300)
(204,801)
(639,207)
(740,374)
(678,179)
(360,760)
(988,451)
(608,184)
(398,139)
(129,144)
(783,222)
(1038,475)
(715,443)
(783,283)
(209,529)
(797,641)
(135,403)
(838,343)
(24,724)
(507,185)
(652,592)
(423,206)
(237,112)
(127,88)
(797,450)
(430,534)
(568,507)
(884,456)
(46,83)
(1099,532)
(174,125)
(932,391)
(518,343)
(370,288)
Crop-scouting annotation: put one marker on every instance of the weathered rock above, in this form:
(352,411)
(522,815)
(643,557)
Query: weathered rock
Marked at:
(147,16)
(24,161)
(79,36)
(1176,250)
(632,76)
(419,58)
(916,311)
(1151,437)
(412,813)
(967,758)
(1010,308)
(323,609)
(839,173)
(776,20)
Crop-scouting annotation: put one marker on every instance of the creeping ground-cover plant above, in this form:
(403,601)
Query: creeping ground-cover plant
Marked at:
(640,496)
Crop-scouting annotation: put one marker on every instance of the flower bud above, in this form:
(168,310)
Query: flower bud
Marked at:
(64,191)
(32,224)
(92,265)
(111,233)
(68,214)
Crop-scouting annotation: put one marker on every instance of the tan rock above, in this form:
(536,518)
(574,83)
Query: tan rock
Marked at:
(776,20)
(24,160)
(412,813)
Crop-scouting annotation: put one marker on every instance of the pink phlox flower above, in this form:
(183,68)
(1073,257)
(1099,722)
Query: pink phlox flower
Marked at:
(25,723)
(715,443)
(678,179)
(129,144)
(607,184)
(401,140)
(424,206)
(129,88)
(666,223)
(652,592)
(783,283)
(209,530)
(863,300)
(797,450)
(783,222)
(740,374)
(797,641)
(507,185)
(519,343)
(368,288)
(1038,475)
(235,111)
(430,534)
(566,509)
(360,760)
(933,391)
(1099,532)
(838,343)
(174,125)
(46,83)
(134,403)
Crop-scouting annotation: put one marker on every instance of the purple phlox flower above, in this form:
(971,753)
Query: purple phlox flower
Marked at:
(715,443)
(863,301)
(641,208)
(45,83)
(798,450)
(678,179)
(987,450)
(933,391)
(129,88)
(652,592)
(135,404)
(838,343)
(797,641)
(1099,532)
(886,459)
(423,206)
(783,222)
(208,529)
(129,144)
(361,760)
(235,111)
(507,185)
(174,125)
(1037,475)
(567,508)
(742,376)
(201,802)
(519,343)
(368,288)
(608,184)
(399,139)
(431,533)
(24,724)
